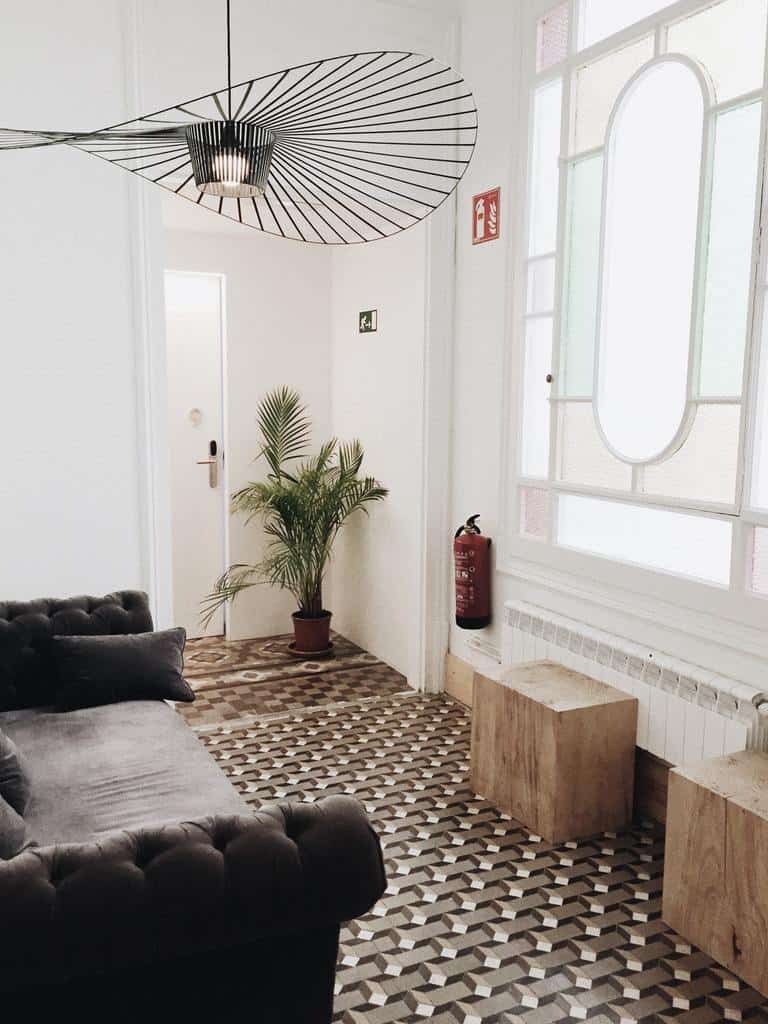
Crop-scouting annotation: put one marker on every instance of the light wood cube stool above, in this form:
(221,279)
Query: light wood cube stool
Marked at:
(716,861)
(555,749)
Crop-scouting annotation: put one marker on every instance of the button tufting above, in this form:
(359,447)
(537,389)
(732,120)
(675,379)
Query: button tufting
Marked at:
(25,683)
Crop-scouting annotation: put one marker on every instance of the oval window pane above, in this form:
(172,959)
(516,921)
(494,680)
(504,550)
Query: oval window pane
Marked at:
(649,260)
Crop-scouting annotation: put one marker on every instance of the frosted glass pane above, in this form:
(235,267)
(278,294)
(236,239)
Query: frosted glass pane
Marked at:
(759,566)
(582,272)
(553,38)
(538,363)
(545,168)
(729,264)
(601,18)
(656,538)
(759,497)
(534,512)
(649,258)
(705,468)
(541,286)
(729,40)
(597,88)
(583,457)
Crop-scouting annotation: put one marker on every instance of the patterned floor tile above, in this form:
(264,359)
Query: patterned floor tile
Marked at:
(482,922)
(205,659)
(237,680)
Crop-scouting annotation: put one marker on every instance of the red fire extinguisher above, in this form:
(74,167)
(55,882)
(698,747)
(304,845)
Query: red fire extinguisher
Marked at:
(472,561)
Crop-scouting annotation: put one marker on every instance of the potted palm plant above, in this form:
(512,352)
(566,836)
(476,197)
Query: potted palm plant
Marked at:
(303,503)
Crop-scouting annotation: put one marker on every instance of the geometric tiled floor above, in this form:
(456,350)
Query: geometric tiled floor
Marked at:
(236,679)
(482,923)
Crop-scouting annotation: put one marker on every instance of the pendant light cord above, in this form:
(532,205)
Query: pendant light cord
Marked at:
(229,63)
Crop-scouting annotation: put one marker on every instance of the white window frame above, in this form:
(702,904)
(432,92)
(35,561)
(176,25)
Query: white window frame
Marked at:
(731,614)
(710,110)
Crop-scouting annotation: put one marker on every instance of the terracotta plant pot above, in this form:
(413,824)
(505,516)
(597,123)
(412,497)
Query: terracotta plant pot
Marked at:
(312,634)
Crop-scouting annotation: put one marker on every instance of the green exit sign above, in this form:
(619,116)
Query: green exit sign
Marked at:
(368,321)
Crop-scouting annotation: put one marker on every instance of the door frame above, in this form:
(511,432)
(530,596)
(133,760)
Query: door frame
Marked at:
(146,253)
(222,432)
(147,262)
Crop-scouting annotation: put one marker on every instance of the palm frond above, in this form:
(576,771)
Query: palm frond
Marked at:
(285,428)
(357,495)
(351,457)
(233,581)
(321,462)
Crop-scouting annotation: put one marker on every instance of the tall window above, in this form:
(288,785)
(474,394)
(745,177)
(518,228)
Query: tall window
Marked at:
(644,428)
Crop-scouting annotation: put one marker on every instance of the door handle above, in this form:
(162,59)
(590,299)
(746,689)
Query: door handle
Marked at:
(213,465)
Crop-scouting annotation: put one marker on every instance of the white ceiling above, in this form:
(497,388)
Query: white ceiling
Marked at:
(183,56)
(448,8)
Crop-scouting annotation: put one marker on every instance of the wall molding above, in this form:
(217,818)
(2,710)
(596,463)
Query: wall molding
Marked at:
(433,627)
(146,247)
(437,418)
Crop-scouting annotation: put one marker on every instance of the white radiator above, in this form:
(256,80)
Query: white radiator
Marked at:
(685,712)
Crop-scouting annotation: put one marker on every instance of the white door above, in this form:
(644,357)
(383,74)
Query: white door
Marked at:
(194,331)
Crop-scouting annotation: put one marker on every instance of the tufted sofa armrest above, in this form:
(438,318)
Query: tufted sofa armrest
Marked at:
(161,892)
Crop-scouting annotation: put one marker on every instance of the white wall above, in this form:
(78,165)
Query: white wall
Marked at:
(380,383)
(69,488)
(278,332)
(490,59)
(377,389)
(72,267)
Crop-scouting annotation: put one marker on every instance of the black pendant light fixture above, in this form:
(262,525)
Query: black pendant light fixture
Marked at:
(337,151)
(230,158)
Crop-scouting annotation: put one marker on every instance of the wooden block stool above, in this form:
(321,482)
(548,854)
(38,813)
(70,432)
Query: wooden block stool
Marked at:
(716,861)
(555,749)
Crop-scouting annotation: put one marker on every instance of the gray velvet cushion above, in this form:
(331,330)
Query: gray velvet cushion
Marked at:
(26,628)
(93,670)
(120,766)
(13,831)
(14,777)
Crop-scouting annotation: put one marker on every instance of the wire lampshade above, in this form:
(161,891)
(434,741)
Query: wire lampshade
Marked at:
(230,158)
(337,151)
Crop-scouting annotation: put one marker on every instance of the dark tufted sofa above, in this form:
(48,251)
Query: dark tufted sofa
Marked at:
(154,891)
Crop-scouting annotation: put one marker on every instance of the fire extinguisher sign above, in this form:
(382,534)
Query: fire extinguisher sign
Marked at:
(486,216)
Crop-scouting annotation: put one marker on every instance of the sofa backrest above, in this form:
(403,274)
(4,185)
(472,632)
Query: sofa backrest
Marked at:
(26,628)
